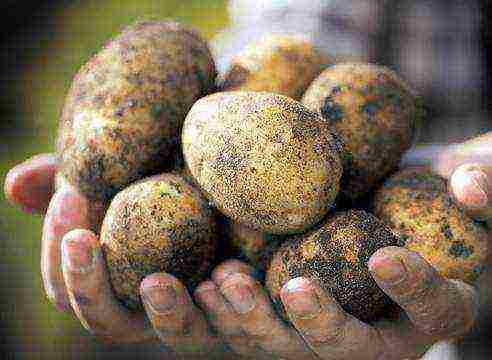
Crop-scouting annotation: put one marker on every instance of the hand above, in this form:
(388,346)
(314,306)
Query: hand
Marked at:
(75,276)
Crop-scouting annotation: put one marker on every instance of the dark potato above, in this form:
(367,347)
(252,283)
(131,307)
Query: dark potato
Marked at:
(336,255)
(159,224)
(125,109)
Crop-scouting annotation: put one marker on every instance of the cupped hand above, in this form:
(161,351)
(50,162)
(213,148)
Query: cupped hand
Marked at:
(75,277)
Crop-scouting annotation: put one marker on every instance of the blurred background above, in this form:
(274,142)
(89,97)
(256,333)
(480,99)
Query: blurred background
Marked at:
(441,47)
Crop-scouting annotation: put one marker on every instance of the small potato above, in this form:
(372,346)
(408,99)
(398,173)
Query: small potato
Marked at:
(336,255)
(263,159)
(279,64)
(375,114)
(416,204)
(125,109)
(159,224)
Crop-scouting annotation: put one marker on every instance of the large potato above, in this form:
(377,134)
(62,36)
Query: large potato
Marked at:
(125,108)
(263,159)
(375,113)
(159,224)
(416,204)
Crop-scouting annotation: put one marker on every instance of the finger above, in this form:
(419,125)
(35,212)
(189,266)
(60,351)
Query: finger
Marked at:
(230,267)
(436,306)
(90,294)
(31,184)
(422,155)
(476,150)
(177,321)
(68,210)
(245,309)
(325,326)
(471,186)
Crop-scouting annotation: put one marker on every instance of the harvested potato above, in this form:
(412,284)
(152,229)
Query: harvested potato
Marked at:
(416,204)
(126,106)
(375,113)
(160,224)
(263,159)
(282,64)
(336,256)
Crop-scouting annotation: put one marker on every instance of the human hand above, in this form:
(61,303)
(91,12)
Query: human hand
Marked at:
(74,271)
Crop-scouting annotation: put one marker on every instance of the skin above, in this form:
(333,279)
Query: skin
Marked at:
(374,112)
(436,308)
(284,183)
(278,64)
(125,108)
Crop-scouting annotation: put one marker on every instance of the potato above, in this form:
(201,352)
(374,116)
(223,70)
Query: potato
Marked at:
(280,64)
(336,255)
(416,204)
(159,224)
(376,115)
(263,159)
(125,109)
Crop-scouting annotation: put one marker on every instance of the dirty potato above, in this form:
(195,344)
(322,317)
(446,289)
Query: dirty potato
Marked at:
(126,106)
(376,115)
(159,224)
(263,159)
(282,64)
(416,204)
(336,255)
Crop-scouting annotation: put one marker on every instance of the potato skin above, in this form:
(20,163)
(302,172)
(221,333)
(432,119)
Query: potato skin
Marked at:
(159,224)
(263,159)
(279,64)
(376,115)
(125,108)
(416,204)
(336,255)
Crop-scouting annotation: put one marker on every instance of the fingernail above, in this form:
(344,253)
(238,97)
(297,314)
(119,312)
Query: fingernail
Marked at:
(391,271)
(240,297)
(470,187)
(77,255)
(161,299)
(300,299)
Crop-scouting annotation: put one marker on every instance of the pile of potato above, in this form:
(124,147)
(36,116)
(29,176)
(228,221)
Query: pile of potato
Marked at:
(280,162)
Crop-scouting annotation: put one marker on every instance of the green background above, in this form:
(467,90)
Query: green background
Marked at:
(32,327)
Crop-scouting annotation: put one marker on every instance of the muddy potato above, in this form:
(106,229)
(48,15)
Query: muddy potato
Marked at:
(282,64)
(375,113)
(263,159)
(336,256)
(159,224)
(125,108)
(416,204)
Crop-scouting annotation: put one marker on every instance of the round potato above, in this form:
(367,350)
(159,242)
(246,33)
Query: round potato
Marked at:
(416,204)
(263,159)
(279,64)
(159,224)
(375,113)
(125,109)
(336,255)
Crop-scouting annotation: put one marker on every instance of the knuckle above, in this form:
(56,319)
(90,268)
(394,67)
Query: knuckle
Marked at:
(333,337)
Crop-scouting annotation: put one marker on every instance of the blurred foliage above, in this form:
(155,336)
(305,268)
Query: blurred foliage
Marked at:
(34,327)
